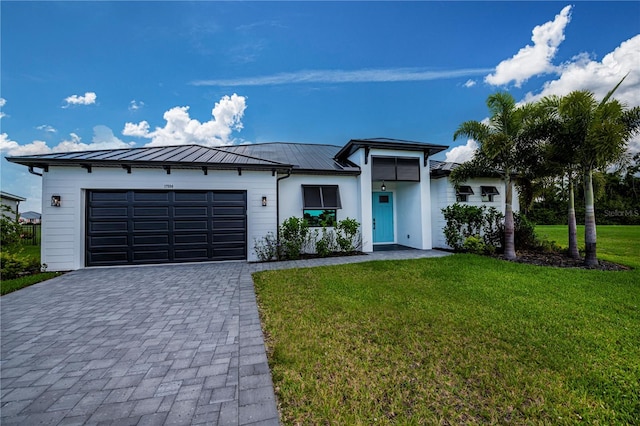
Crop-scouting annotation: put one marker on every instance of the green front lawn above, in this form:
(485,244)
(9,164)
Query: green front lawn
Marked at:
(458,340)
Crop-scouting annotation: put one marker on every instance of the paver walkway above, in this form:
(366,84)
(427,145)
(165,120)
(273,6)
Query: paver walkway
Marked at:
(150,345)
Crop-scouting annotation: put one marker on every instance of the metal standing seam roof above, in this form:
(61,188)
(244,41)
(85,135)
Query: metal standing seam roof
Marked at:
(178,156)
(8,196)
(304,157)
(439,169)
(293,157)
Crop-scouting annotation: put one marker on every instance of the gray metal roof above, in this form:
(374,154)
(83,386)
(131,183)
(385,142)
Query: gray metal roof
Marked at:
(280,156)
(441,168)
(304,157)
(8,196)
(177,156)
(387,143)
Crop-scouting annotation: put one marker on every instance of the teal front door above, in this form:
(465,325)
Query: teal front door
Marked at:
(382,210)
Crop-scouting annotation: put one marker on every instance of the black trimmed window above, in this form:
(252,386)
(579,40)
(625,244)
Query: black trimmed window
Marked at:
(395,169)
(488,192)
(320,204)
(462,193)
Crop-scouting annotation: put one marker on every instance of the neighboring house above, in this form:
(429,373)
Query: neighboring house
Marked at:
(193,203)
(485,191)
(30,217)
(12,202)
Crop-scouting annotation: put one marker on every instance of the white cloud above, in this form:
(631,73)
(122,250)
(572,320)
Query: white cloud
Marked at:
(89,98)
(462,153)
(140,130)
(533,60)
(135,105)
(10,147)
(470,83)
(3,102)
(341,76)
(181,129)
(47,128)
(583,73)
(103,138)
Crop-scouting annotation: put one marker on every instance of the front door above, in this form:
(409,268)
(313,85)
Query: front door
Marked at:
(382,217)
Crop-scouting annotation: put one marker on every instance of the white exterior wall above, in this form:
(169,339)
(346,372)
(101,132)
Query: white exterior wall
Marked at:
(412,202)
(13,207)
(63,230)
(444,194)
(291,203)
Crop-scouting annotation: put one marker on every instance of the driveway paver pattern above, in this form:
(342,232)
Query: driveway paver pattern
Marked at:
(148,345)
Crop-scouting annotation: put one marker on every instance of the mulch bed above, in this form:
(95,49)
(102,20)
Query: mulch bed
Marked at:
(561,260)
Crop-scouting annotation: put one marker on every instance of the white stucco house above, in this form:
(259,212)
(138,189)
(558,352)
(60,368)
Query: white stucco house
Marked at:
(193,203)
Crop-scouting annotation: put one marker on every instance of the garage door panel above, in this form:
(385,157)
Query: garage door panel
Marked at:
(151,256)
(191,225)
(110,258)
(137,227)
(228,223)
(143,196)
(229,238)
(106,227)
(140,240)
(156,212)
(191,238)
(191,197)
(107,212)
(190,211)
(198,254)
(106,241)
(148,226)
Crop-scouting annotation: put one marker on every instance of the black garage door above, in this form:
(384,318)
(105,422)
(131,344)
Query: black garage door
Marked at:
(135,227)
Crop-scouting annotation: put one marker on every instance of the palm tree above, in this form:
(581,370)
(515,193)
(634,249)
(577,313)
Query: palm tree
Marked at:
(501,139)
(601,134)
(565,124)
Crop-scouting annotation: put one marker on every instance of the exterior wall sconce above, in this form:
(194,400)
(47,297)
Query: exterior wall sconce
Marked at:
(383,187)
(56,200)
(264,201)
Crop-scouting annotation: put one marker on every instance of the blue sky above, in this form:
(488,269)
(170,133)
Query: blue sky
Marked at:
(94,75)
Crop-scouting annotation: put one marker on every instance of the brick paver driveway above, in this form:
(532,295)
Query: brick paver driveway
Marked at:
(177,344)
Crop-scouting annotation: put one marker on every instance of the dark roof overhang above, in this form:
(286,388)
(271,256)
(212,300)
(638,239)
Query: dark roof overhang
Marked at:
(386,143)
(176,157)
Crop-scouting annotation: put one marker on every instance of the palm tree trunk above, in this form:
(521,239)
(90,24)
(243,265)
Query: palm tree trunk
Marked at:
(590,258)
(509,234)
(571,220)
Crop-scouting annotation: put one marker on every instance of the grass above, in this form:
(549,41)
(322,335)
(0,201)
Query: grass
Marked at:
(458,340)
(616,243)
(8,286)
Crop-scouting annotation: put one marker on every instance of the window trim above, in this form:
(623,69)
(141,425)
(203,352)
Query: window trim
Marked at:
(488,192)
(323,205)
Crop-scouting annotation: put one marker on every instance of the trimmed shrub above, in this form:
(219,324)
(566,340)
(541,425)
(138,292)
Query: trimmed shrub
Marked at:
(13,265)
(293,237)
